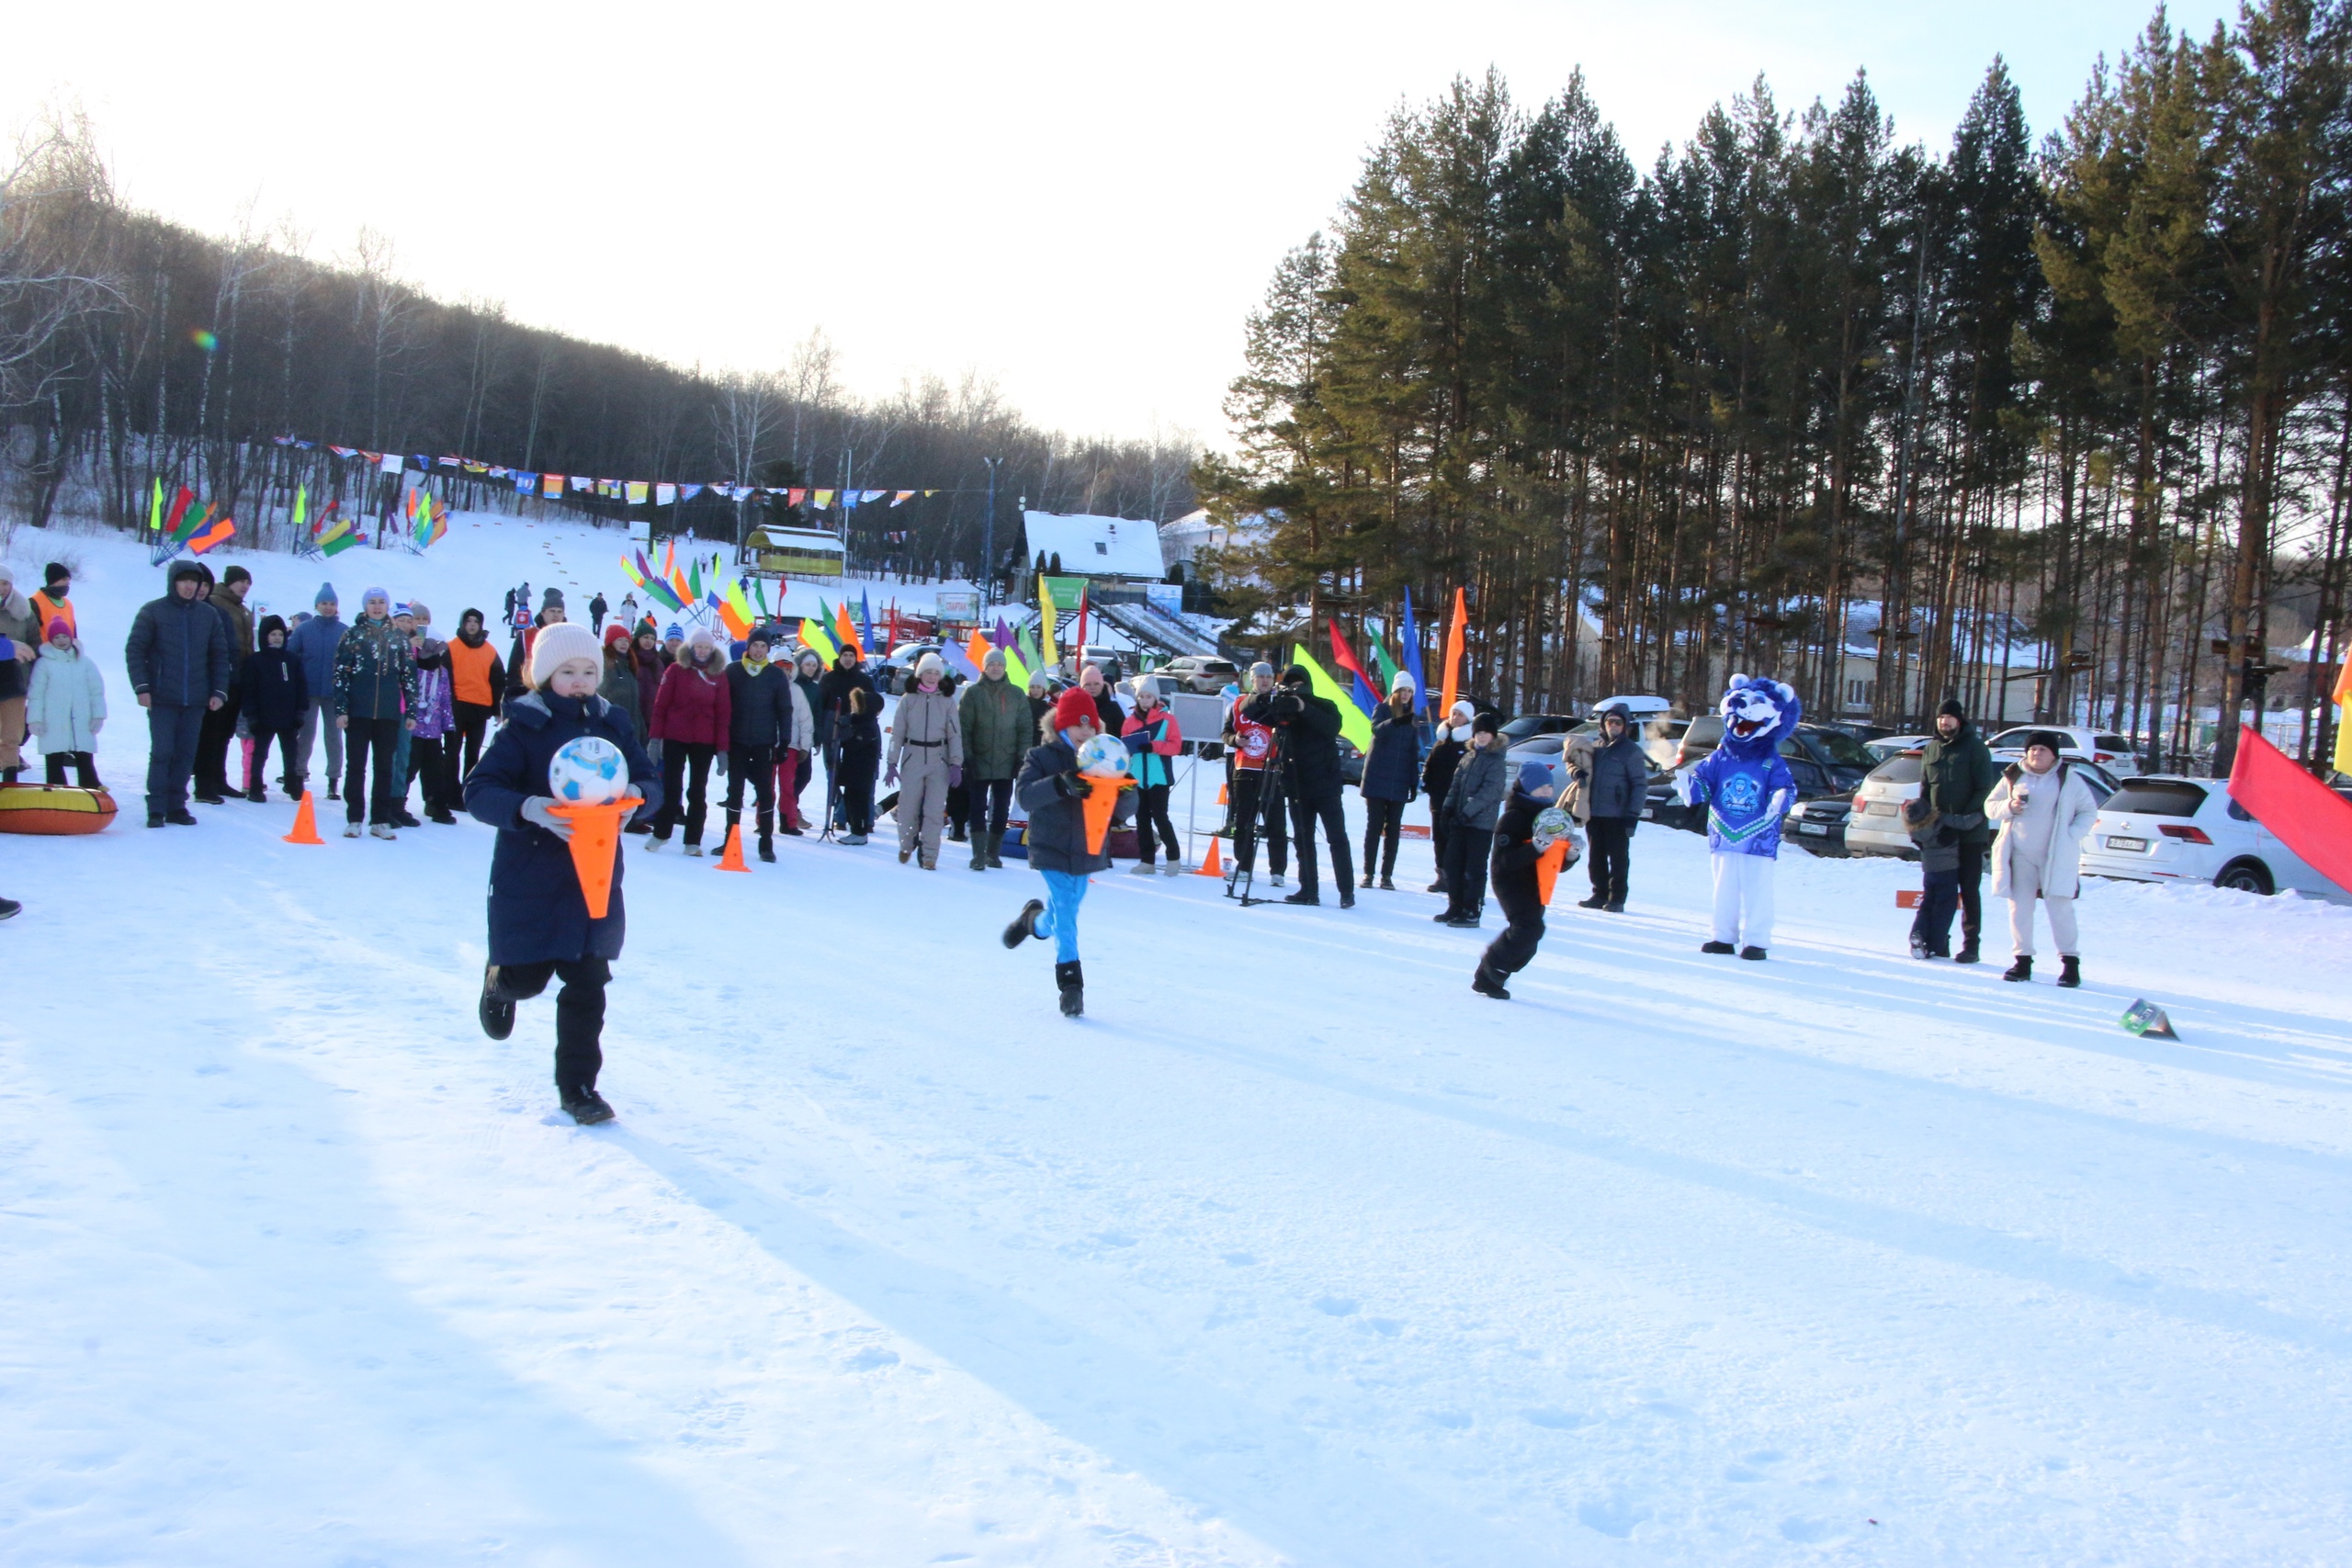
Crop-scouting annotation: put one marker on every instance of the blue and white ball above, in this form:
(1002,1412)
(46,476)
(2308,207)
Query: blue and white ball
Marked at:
(1102,756)
(590,770)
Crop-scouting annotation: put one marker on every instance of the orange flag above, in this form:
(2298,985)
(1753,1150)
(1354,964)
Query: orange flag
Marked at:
(1454,632)
(847,632)
(977,650)
(595,845)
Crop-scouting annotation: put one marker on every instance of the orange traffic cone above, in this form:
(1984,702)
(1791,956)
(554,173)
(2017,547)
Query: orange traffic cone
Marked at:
(731,859)
(1101,795)
(306,824)
(595,847)
(1224,795)
(1210,867)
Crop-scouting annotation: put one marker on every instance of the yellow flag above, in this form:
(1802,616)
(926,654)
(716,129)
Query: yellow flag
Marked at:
(1046,622)
(813,635)
(1352,723)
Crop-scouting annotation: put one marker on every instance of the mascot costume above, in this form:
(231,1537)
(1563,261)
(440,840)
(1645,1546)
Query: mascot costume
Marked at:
(1746,788)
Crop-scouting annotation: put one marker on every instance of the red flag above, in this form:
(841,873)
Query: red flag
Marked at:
(1346,660)
(2308,817)
(1082,622)
(180,503)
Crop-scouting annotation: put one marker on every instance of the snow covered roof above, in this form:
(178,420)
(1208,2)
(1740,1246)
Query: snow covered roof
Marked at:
(1096,547)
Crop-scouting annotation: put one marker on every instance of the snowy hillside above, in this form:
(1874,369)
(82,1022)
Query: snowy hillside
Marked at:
(1293,1250)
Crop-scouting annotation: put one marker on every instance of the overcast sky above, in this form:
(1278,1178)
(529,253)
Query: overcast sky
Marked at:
(1081,201)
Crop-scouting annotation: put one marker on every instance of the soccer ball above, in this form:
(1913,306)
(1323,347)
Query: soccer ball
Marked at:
(590,770)
(1103,757)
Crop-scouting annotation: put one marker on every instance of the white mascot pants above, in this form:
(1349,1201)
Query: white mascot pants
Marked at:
(1743,898)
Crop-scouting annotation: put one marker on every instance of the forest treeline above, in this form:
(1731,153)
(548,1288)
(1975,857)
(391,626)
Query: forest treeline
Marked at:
(131,348)
(1802,387)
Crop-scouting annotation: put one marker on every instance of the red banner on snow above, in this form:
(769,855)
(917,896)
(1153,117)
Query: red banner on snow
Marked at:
(2308,818)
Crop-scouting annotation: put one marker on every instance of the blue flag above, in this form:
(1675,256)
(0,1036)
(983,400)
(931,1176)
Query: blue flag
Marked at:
(1412,641)
(1364,699)
(864,618)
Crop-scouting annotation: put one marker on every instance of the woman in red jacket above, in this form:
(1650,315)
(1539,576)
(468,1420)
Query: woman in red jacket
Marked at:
(691,715)
(1153,741)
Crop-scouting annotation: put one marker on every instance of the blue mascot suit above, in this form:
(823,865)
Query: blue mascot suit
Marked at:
(1747,789)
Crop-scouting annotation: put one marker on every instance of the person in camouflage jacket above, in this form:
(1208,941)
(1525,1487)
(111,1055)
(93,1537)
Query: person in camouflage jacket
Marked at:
(375,696)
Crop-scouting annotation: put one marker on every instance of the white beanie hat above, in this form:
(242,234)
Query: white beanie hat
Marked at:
(555,643)
(930,667)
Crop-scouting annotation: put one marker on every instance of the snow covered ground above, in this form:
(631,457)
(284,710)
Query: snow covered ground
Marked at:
(1293,1250)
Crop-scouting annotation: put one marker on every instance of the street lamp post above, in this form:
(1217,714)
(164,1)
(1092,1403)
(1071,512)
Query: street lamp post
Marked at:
(987,536)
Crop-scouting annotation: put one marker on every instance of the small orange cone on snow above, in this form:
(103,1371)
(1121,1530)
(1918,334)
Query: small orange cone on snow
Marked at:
(595,845)
(731,859)
(1210,867)
(306,823)
(1224,795)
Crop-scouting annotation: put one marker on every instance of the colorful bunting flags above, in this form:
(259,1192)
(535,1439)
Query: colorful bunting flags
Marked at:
(216,534)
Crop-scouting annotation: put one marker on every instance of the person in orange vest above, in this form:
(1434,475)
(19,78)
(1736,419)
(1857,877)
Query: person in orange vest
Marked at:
(477,685)
(49,605)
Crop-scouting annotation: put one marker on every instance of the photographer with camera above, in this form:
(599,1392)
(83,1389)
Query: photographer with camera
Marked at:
(1308,727)
(1250,744)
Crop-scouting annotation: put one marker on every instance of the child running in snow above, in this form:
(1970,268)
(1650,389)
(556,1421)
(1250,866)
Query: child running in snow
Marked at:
(1522,835)
(539,925)
(1050,789)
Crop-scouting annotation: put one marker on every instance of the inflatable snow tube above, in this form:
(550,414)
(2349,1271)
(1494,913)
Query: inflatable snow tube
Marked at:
(54,809)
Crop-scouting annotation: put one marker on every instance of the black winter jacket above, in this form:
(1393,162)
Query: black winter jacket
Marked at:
(1392,770)
(1476,791)
(1310,737)
(1955,776)
(760,711)
(273,693)
(1620,785)
(1052,794)
(178,652)
(537,911)
(1437,772)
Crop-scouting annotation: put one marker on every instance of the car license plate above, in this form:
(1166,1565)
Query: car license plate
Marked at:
(2117,841)
(1820,828)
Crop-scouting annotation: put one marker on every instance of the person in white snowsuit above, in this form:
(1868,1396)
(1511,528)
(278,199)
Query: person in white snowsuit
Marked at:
(926,758)
(2042,808)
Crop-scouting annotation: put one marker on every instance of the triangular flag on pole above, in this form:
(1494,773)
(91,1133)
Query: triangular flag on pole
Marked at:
(1411,639)
(1454,633)
(1353,722)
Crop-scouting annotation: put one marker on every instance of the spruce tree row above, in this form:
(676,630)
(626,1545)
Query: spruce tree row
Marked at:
(1803,388)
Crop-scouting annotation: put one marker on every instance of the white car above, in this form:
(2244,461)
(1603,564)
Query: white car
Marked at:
(2160,827)
(2113,752)
(1876,826)
(1887,746)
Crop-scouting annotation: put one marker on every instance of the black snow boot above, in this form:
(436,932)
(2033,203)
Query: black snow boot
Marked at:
(1967,955)
(767,849)
(1024,924)
(1597,901)
(584,1106)
(2021,970)
(496,1009)
(1305,896)
(1755,953)
(1072,982)
(1716,947)
(1614,907)
(1487,983)
(2070,970)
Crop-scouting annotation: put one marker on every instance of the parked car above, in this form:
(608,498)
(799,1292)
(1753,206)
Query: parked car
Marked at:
(1200,674)
(2113,752)
(2103,783)
(1876,826)
(2160,827)
(1159,681)
(1701,736)
(897,673)
(1887,746)
(1819,826)
(1115,662)
(1528,725)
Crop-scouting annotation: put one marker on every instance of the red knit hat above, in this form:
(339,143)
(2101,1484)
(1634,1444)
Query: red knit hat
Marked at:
(1075,708)
(616,633)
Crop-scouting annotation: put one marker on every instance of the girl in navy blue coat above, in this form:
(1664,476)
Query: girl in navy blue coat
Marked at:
(1050,789)
(539,925)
